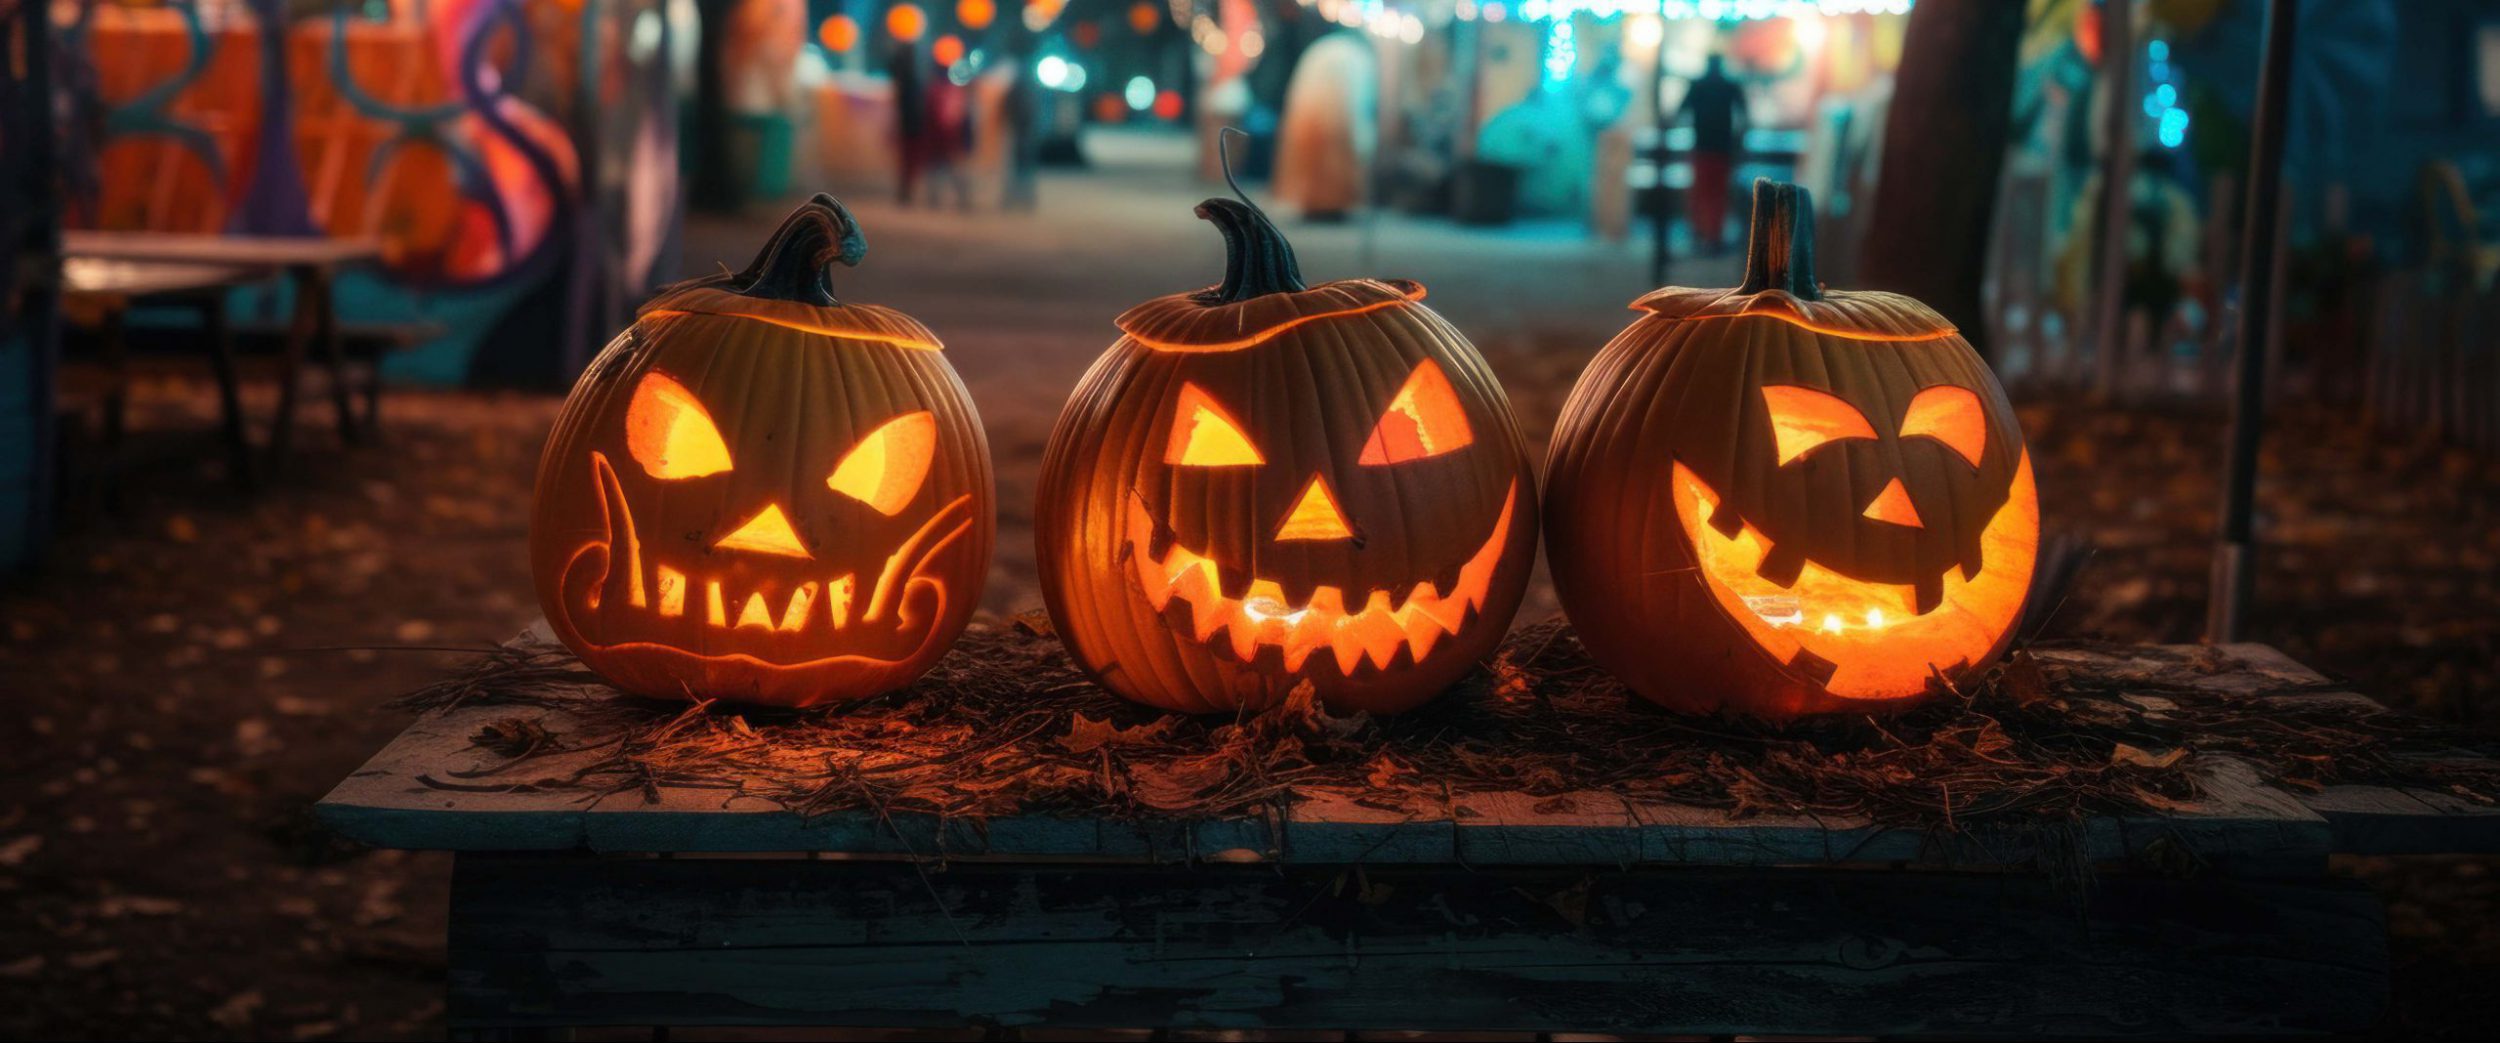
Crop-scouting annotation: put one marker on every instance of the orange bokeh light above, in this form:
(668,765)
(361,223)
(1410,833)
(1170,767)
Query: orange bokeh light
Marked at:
(948,49)
(839,33)
(906,21)
(1144,17)
(975,14)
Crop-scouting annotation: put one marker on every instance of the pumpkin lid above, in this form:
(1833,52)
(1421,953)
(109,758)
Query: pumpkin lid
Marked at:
(790,284)
(1780,284)
(1262,294)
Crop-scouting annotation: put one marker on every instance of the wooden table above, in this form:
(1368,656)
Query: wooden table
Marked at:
(310,263)
(100,292)
(1497,911)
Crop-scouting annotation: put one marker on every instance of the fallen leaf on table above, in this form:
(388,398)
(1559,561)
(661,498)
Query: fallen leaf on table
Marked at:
(2136,756)
(1085,734)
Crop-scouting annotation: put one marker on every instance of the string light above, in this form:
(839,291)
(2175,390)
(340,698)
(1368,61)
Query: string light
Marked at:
(1376,16)
(2161,104)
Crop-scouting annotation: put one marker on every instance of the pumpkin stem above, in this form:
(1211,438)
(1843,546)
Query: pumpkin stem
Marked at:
(1780,253)
(796,264)
(1257,259)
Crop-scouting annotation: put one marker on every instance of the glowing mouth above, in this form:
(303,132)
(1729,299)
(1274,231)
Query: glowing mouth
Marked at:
(1869,637)
(1373,631)
(834,603)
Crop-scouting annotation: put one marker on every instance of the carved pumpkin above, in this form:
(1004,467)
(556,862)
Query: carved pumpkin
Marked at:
(1777,500)
(1264,484)
(759,493)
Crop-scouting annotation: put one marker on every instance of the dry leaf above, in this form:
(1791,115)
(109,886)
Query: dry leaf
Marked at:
(2134,756)
(2025,683)
(511,736)
(1085,734)
(1034,622)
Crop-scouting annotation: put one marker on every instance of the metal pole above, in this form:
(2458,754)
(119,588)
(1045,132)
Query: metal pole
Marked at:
(1659,219)
(2234,576)
(2109,311)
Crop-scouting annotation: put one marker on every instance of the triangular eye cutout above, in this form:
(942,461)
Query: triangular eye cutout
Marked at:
(1803,418)
(1425,419)
(1950,415)
(886,468)
(669,433)
(1204,436)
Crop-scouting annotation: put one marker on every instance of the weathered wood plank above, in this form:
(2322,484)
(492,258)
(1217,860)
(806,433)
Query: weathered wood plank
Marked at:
(388,803)
(576,940)
(2378,820)
(2241,825)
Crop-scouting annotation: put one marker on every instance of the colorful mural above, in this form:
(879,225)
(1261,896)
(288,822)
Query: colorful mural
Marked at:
(503,151)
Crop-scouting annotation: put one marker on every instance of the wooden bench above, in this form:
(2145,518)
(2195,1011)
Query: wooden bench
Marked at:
(311,264)
(1494,911)
(363,347)
(97,294)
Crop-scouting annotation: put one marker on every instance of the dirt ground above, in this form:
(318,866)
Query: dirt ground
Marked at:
(194,669)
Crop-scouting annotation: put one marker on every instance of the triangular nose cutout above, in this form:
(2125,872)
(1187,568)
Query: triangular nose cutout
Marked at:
(1893,505)
(768,532)
(1315,517)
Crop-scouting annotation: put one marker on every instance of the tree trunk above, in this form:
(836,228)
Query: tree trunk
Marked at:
(1944,144)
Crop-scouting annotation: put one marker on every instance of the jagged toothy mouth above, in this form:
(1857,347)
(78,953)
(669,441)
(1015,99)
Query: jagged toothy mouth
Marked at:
(658,599)
(1373,631)
(1861,639)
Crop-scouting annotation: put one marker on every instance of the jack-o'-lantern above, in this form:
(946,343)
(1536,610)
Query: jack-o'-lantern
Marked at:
(1779,500)
(762,494)
(1264,484)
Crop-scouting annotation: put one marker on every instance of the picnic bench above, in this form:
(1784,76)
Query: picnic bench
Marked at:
(663,905)
(311,265)
(98,293)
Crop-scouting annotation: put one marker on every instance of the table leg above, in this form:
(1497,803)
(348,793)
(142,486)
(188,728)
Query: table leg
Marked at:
(229,390)
(302,327)
(116,402)
(373,397)
(317,282)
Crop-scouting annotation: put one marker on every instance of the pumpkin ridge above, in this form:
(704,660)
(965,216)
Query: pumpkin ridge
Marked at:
(872,323)
(1187,322)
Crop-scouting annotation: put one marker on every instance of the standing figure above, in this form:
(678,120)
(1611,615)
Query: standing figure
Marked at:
(949,128)
(911,119)
(1716,105)
(1020,109)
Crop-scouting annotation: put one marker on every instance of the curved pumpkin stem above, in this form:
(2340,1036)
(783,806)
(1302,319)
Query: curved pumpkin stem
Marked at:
(1780,253)
(796,264)
(1257,259)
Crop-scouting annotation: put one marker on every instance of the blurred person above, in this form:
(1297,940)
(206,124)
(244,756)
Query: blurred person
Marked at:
(1020,109)
(949,129)
(1716,105)
(1330,128)
(911,119)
